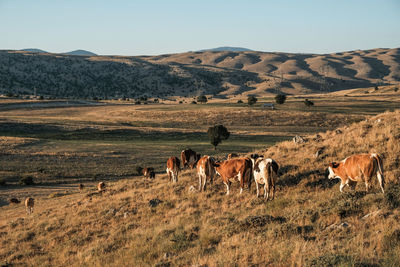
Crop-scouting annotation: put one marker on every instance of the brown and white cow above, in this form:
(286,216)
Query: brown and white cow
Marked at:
(29,203)
(189,158)
(265,172)
(230,169)
(149,172)
(358,168)
(205,171)
(173,168)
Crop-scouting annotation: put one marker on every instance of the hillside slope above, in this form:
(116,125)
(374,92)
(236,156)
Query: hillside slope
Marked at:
(220,73)
(152,222)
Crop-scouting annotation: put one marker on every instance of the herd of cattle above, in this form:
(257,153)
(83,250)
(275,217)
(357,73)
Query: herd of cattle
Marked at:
(264,171)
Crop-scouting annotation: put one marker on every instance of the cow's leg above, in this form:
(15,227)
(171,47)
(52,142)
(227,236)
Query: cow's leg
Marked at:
(241,179)
(258,190)
(273,187)
(352,185)
(367,186)
(381,181)
(265,190)
(169,175)
(342,185)
(227,187)
(204,182)
(200,182)
(267,186)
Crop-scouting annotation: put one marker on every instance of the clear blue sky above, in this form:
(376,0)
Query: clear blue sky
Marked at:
(151,27)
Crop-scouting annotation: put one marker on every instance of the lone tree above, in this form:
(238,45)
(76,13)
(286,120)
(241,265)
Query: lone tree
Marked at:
(251,100)
(308,103)
(217,133)
(202,99)
(280,99)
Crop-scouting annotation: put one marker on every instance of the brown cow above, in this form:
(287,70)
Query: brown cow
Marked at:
(229,169)
(358,168)
(149,173)
(189,158)
(173,168)
(205,171)
(101,186)
(29,203)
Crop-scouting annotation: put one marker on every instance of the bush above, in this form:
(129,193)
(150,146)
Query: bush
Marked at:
(194,102)
(41,97)
(376,88)
(280,99)
(202,99)
(156,100)
(240,101)
(9,94)
(251,100)
(137,102)
(181,102)
(3,182)
(396,89)
(308,103)
(26,181)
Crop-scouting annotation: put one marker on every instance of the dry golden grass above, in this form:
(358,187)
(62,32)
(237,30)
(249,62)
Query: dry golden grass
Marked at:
(310,222)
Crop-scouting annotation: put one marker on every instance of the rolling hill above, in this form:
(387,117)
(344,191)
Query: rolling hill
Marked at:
(145,222)
(218,73)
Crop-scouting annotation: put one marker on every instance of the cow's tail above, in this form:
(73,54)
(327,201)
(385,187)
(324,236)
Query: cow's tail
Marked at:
(379,172)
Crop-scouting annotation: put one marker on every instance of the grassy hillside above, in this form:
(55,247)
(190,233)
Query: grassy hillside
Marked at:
(218,73)
(310,223)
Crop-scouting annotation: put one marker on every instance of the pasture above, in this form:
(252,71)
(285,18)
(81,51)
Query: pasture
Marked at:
(310,222)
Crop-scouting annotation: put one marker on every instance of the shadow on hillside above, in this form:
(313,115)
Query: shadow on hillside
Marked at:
(319,178)
(48,131)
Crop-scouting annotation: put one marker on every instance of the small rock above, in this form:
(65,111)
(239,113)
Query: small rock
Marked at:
(126,214)
(166,255)
(344,225)
(318,153)
(298,139)
(378,120)
(338,131)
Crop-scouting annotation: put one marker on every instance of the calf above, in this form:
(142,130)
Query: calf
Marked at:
(238,167)
(173,169)
(149,173)
(189,158)
(29,203)
(358,168)
(265,172)
(205,171)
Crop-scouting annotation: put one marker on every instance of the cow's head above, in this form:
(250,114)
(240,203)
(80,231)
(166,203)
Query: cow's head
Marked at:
(332,170)
(254,156)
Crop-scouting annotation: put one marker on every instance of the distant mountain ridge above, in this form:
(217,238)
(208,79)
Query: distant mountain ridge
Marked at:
(78,52)
(223,74)
(226,48)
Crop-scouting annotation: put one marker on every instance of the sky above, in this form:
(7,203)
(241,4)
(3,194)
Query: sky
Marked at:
(153,27)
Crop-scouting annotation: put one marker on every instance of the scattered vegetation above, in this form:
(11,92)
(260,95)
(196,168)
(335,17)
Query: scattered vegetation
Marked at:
(280,99)
(28,180)
(251,100)
(202,99)
(308,103)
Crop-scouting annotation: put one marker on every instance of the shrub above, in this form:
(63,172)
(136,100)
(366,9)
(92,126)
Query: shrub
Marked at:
(396,89)
(202,99)
(137,102)
(240,101)
(28,180)
(308,103)
(251,100)
(194,102)
(376,88)
(181,102)
(156,100)
(217,133)
(3,182)
(41,97)
(280,99)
